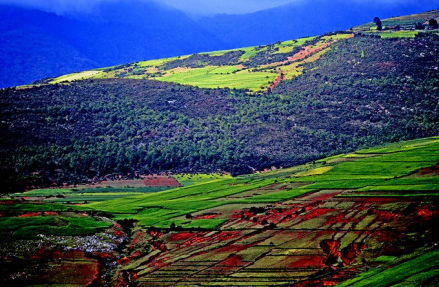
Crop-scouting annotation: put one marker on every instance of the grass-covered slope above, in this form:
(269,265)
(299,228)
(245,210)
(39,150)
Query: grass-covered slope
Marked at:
(389,171)
(405,22)
(360,219)
(267,229)
(253,68)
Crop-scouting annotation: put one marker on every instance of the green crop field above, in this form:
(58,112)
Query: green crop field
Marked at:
(23,227)
(27,220)
(159,62)
(264,228)
(82,194)
(239,73)
(193,179)
(288,46)
(250,52)
(77,76)
(214,77)
(414,270)
(399,34)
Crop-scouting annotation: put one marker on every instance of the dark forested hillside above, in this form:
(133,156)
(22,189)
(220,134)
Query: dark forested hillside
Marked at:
(371,87)
(364,91)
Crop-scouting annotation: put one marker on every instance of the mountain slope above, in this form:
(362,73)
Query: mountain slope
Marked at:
(31,50)
(330,94)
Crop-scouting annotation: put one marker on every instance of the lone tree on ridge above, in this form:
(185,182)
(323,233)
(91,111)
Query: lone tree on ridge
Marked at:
(433,23)
(377,21)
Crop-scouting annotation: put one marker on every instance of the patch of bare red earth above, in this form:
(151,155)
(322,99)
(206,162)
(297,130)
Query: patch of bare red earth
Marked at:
(430,171)
(33,214)
(276,82)
(161,181)
(207,216)
(55,267)
(4,202)
(316,226)
(307,51)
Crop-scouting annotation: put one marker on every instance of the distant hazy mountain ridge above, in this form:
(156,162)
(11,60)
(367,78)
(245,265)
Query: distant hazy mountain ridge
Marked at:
(36,44)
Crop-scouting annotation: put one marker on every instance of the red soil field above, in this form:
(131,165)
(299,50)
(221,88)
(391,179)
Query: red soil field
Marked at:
(207,216)
(8,202)
(73,267)
(321,196)
(181,236)
(317,212)
(275,83)
(307,51)
(161,181)
(306,261)
(232,261)
(32,214)
(332,241)
(429,170)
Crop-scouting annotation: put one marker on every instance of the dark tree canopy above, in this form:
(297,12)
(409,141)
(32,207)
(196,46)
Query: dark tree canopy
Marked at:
(419,26)
(433,23)
(377,21)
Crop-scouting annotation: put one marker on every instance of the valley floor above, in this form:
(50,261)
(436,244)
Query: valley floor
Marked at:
(363,219)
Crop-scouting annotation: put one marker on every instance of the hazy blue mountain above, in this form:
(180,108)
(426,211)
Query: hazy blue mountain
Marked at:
(31,49)
(36,44)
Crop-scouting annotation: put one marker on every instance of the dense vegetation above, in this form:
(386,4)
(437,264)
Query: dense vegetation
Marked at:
(363,91)
(370,88)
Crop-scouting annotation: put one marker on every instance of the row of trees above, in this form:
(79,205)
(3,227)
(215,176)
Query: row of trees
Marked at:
(432,23)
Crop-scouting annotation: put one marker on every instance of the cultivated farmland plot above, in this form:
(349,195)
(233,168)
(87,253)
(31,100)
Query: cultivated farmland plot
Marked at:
(353,220)
(256,69)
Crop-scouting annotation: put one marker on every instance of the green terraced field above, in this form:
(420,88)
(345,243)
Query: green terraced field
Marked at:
(29,227)
(214,77)
(290,56)
(265,228)
(238,74)
(288,46)
(250,52)
(418,269)
(194,179)
(84,195)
